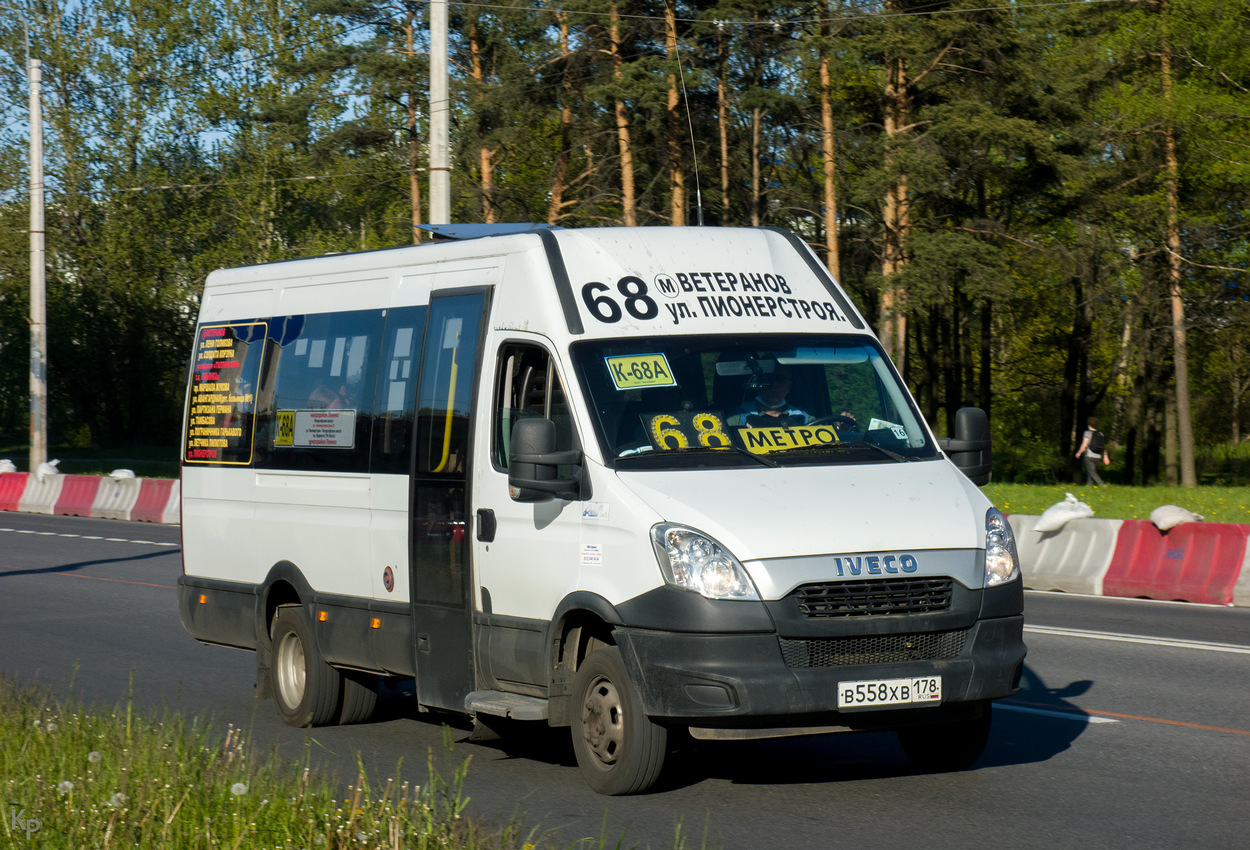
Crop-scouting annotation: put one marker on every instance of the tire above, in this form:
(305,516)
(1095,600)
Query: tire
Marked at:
(947,746)
(360,697)
(308,691)
(619,750)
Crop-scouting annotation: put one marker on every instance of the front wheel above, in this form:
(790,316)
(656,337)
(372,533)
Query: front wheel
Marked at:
(307,690)
(947,746)
(619,750)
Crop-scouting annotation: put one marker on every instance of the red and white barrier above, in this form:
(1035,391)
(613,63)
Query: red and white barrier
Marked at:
(1205,562)
(116,498)
(40,494)
(1193,562)
(12,486)
(77,495)
(133,499)
(157,502)
(1073,559)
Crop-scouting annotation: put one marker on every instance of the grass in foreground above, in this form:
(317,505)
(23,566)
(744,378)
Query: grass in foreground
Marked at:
(1215,504)
(79,778)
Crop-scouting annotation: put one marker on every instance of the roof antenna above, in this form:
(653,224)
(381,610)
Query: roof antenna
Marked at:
(694,152)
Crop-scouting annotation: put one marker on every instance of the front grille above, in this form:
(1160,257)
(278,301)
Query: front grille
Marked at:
(878,596)
(873,649)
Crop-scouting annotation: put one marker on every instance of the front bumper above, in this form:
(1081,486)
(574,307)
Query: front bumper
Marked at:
(745,680)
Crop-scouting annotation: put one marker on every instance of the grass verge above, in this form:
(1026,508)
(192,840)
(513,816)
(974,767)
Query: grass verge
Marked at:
(1215,504)
(144,461)
(81,778)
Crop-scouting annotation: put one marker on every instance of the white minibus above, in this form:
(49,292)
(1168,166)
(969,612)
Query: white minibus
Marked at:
(638,482)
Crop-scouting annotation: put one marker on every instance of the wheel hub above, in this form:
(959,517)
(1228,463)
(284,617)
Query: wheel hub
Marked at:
(290,664)
(603,722)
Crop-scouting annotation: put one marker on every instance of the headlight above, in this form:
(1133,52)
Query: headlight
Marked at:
(1001,562)
(694,561)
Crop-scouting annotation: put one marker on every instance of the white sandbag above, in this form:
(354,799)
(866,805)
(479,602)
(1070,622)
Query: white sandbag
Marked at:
(1054,517)
(46,469)
(118,474)
(7,465)
(1170,516)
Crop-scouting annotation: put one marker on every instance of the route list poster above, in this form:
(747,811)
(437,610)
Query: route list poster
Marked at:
(220,419)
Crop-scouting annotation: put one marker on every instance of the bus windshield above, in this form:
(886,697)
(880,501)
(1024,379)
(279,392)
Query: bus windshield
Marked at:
(674,402)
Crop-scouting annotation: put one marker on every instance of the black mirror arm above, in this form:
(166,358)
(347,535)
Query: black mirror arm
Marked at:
(573,456)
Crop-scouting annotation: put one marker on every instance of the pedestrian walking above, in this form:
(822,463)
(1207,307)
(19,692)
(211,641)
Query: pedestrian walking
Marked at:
(1093,449)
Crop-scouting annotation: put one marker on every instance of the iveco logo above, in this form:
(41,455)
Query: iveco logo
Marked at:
(875,565)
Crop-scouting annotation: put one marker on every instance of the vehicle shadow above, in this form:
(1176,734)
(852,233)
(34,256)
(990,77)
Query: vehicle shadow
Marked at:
(1035,725)
(79,565)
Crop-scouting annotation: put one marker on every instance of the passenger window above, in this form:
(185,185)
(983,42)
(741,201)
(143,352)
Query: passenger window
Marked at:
(394,409)
(528,386)
(317,391)
(221,418)
(448,366)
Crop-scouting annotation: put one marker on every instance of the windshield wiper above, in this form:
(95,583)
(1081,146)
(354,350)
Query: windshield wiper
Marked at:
(887,452)
(763,459)
(844,445)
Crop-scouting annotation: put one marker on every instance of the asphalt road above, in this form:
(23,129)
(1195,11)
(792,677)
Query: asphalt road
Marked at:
(1131,730)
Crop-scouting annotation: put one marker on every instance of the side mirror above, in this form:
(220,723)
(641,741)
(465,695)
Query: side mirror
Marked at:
(969,447)
(533,461)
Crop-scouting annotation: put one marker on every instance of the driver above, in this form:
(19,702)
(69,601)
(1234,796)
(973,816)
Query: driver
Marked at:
(770,407)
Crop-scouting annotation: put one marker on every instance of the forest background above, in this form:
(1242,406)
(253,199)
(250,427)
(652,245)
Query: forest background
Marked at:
(1040,207)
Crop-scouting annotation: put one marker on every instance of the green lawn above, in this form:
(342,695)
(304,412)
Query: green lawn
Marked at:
(1215,504)
(144,461)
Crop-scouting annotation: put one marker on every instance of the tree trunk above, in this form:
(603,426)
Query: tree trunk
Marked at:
(674,145)
(1169,440)
(629,202)
(895,217)
(827,149)
(484,153)
(757,190)
(722,115)
(1180,357)
(414,146)
(560,174)
(984,394)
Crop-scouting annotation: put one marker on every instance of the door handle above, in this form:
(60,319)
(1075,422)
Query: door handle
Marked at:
(486,525)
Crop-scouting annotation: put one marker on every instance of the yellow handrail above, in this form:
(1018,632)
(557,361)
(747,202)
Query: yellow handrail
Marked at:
(451,406)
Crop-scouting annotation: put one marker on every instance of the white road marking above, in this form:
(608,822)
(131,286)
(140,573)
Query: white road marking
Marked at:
(88,537)
(1065,715)
(1150,641)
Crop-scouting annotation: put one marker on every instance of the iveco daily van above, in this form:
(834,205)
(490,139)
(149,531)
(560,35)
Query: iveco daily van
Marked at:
(630,481)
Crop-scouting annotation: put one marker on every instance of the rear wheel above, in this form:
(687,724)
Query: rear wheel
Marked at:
(307,690)
(947,746)
(360,696)
(619,750)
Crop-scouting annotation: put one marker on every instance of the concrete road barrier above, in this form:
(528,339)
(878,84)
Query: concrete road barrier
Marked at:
(78,494)
(1073,559)
(157,502)
(116,498)
(12,487)
(1193,562)
(40,497)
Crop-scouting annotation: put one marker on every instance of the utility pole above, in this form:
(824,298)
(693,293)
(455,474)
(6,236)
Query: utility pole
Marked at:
(440,160)
(38,282)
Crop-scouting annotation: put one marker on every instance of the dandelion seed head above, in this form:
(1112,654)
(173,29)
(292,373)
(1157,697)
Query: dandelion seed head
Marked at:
(64,787)
(118,800)
(94,757)
(238,789)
